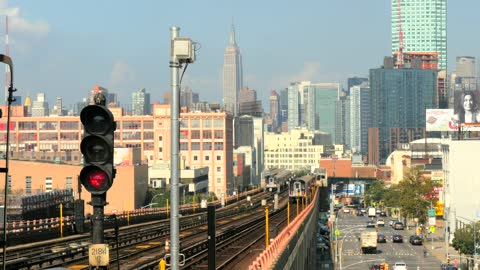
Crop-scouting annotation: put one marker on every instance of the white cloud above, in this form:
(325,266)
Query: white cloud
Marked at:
(21,25)
(310,72)
(121,74)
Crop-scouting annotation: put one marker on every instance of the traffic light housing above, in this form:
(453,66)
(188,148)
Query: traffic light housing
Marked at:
(97,148)
(448,260)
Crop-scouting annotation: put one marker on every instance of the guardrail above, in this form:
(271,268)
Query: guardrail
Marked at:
(280,249)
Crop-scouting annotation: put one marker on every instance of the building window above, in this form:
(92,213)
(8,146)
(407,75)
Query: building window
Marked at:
(160,138)
(160,149)
(219,146)
(218,123)
(207,157)
(195,123)
(184,146)
(207,123)
(69,183)
(195,134)
(218,134)
(219,169)
(28,185)
(207,134)
(48,184)
(195,158)
(219,157)
(207,146)
(195,146)
(9,183)
(219,181)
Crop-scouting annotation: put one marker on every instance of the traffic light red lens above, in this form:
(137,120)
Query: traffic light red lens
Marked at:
(97,179)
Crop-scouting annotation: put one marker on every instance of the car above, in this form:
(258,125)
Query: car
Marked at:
(415,240)
(391,222)
(380,222)
(381,238)
(370,224)
(445,266)
(363,210)
(398,226)
(383,214)
(346,210)
(359,213)
(322,246)
(399,266)
(397,238)
(376,266)
(378,211)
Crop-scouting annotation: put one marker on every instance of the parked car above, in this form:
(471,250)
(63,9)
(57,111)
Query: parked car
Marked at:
(445,266)
(381,238)
(415,240)
(398,226)
(397,238)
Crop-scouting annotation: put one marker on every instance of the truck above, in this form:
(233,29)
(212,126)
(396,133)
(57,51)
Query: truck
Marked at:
(372,212)
(369,242)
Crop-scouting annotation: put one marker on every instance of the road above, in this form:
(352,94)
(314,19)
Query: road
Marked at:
(350,227)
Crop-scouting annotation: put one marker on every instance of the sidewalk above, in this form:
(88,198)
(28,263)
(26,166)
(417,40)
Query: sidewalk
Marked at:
(439,249)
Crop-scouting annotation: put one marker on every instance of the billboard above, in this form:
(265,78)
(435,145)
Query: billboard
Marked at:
(467,109)
(440,120)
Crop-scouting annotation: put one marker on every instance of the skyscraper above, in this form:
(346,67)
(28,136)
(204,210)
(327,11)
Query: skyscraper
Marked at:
(399,99)
(424,27)
(141,103)
(360,118)
(232,75)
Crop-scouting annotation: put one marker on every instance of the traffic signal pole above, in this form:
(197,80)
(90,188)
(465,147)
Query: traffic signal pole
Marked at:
(98,203)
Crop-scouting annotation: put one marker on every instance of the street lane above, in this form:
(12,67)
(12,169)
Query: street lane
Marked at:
(349,250)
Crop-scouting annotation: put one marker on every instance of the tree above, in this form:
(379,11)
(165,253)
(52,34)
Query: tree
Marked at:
(375,192)
(463,239)
(415,195)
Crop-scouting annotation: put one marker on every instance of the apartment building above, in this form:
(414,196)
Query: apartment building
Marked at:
(206,139)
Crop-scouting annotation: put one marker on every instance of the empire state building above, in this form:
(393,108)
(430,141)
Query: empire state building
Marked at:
(232,75)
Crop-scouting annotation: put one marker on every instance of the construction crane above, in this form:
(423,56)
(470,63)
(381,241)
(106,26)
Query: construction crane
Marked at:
(399,62)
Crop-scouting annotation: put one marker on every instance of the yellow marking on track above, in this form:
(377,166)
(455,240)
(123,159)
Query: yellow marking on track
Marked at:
(235,217)
(78,266)
(154,243)
(204,227)
(143,246)
(222,221)
(187,233)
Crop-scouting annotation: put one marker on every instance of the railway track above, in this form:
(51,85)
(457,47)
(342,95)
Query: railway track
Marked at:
(73,250)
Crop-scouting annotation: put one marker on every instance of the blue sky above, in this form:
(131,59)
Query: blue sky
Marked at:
(64,48)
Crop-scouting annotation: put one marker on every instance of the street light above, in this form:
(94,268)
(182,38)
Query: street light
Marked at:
(7,60)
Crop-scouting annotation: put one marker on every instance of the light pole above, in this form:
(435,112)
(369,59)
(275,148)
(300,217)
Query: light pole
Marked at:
(474,239)
(7,60)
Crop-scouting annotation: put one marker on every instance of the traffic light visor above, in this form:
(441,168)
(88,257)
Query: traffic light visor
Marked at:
(95,179)
(97,119)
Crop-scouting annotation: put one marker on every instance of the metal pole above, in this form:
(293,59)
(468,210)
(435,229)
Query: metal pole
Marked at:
(266,227)
(6,59)
(174,157)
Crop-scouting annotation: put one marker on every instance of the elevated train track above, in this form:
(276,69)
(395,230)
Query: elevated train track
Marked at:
(141,238)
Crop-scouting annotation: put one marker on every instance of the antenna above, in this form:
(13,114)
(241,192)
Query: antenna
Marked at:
(7,67)
(399,63)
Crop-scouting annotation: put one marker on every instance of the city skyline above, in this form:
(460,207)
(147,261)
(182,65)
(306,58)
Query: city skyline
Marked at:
(60,51)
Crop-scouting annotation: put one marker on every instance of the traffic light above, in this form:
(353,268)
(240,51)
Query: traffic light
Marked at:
(97,148)
(448,260)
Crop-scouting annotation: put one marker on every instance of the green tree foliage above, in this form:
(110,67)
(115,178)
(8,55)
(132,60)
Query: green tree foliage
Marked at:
(375,192)
(415,195)
(463,239)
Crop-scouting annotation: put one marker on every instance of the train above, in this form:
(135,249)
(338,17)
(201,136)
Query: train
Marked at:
(300,187)
(275,180)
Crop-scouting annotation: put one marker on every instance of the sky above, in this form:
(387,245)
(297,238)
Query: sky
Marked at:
(65,48)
